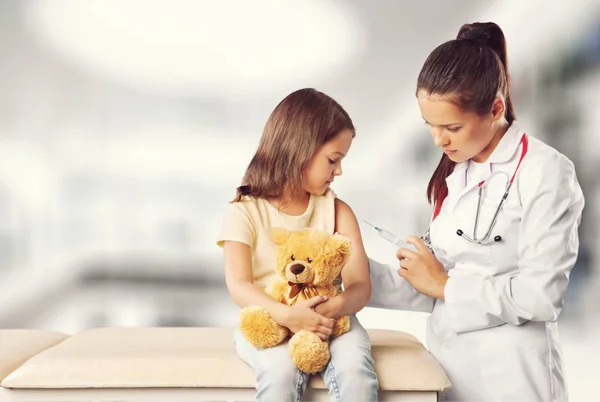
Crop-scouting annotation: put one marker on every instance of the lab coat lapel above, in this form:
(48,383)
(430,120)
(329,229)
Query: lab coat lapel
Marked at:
(457,181)
(456,184)
(508,145)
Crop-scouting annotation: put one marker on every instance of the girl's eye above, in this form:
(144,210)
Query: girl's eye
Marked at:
(309,260)
(454,129)
(331,161)
(293,258)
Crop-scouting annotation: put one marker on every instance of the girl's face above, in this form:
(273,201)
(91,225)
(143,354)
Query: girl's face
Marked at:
(462,135)
(326,163)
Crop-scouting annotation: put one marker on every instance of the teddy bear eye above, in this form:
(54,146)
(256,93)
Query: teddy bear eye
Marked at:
(309,260)
(293,258)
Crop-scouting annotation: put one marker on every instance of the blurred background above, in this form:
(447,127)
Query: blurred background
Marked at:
(125,127)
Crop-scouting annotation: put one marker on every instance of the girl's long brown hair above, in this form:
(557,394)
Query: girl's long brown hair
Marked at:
(300,124)
(472,70)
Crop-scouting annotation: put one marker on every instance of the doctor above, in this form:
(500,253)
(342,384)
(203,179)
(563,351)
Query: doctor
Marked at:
(506,211)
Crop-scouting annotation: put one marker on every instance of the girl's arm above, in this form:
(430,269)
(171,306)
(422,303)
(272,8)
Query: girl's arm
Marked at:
(237,258)
(355,275)
(236,237)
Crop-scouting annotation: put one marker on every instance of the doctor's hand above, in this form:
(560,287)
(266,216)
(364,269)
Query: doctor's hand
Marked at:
(421,269)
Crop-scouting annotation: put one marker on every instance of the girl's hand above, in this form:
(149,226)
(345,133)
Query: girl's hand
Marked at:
(421,269)
(302,316)
(330,308)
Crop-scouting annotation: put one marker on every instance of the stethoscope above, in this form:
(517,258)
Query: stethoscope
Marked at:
(486,237)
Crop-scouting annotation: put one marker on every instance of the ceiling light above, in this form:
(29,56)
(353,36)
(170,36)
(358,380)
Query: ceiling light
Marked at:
(185,45)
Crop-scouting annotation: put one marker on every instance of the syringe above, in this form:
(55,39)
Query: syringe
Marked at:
(389,236)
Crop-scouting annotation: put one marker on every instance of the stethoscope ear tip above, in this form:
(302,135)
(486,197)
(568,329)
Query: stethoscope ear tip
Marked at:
(459,232)
(497,238)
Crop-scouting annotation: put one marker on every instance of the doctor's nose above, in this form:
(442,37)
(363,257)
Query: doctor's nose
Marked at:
(439,138)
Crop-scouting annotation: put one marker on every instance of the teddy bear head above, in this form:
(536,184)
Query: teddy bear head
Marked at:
(310,256)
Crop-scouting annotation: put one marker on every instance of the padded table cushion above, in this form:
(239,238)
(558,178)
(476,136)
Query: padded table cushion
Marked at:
(197,357)
(18,345)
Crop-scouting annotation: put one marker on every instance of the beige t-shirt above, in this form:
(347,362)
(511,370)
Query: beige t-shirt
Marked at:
(250,220)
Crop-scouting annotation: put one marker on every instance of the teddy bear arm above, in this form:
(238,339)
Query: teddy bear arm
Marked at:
(341,326)
(276,289)
(258,326)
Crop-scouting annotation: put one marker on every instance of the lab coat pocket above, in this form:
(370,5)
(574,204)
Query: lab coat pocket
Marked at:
(514,362)
(505,252)
(473,256)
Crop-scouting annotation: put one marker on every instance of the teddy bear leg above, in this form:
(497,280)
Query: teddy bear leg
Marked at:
(260,329)
(309,352)
(341,326)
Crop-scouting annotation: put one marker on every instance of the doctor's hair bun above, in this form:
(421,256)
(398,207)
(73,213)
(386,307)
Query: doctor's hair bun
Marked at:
(487,34)
(472,32)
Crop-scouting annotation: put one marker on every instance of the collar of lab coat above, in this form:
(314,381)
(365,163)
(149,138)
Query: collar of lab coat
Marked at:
(508,145)
(504,151)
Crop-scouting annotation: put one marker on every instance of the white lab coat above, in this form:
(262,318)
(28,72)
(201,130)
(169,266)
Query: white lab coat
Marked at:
(496,334)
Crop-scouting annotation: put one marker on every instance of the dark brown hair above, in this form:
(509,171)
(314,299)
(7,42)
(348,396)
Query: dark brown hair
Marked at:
(300,124)
(471,70)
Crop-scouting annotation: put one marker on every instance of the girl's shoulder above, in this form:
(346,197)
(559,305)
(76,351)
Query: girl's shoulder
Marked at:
(326,201)
(329,195)
(250,206)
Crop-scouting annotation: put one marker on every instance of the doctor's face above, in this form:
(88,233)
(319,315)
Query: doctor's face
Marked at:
(462,135)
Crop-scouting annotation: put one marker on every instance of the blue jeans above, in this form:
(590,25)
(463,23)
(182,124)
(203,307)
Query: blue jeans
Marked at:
(349,376)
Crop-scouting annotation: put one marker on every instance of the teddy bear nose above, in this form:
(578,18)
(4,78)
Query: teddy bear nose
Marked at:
(297,269)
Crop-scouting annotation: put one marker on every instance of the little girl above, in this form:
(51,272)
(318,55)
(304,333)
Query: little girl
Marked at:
(287,185)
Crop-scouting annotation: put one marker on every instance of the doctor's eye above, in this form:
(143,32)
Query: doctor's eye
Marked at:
(331,161)
(293,258)
(454,129)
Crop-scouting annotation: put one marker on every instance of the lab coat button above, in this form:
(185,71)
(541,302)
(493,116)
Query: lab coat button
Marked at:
(445,345)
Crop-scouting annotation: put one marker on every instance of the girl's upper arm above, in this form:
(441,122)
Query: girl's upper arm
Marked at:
(357,268)
(236,238)
(237,260)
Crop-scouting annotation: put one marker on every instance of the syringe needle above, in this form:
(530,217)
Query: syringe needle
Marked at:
(370,224)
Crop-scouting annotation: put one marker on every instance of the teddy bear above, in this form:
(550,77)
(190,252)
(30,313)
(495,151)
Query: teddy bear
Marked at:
(308,262)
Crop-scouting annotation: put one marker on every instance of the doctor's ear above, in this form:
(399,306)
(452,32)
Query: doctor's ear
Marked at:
(498,109)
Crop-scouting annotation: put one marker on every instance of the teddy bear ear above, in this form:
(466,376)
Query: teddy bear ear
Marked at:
(279,235)
(343,245)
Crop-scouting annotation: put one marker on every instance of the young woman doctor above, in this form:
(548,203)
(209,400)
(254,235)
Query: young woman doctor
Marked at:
(494,265)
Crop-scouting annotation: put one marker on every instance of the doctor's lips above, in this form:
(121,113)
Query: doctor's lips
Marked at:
(449,151)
